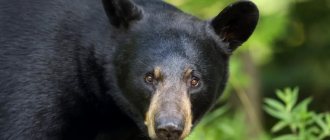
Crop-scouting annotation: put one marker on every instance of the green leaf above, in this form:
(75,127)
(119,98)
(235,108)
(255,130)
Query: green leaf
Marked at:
(279,126)
(327,119)
(302,106)
(293,97)
(281,95)
(313,130)
(275,113)
(320,122)
(215,114)
(287,137)
(275,104)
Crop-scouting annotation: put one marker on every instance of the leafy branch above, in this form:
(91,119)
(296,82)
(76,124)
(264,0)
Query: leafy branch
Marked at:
(302,123)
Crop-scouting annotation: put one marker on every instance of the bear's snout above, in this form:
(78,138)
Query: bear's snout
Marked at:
(169,116)
(169,127)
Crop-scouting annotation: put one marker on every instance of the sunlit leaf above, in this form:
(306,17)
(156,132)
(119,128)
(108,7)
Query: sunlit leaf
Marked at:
(302,106)
(321,123)
(275,113)
(279,126)
(275,104)
(286,137)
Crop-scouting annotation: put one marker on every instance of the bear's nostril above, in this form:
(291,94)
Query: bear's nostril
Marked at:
(169,131)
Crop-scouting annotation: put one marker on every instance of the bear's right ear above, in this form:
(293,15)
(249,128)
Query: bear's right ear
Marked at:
(122,12)
(235,23)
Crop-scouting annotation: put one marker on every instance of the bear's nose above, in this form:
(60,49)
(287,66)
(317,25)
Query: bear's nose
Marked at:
(169,129)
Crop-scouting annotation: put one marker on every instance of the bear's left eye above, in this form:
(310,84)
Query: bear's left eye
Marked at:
(194,82)
(148,78)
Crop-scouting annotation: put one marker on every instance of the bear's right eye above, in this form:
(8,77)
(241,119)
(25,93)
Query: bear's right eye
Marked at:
(149,78)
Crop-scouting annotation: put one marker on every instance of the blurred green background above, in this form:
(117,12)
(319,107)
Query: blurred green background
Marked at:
(290,48)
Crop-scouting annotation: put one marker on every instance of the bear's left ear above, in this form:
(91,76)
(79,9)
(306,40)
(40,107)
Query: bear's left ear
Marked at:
(122,12)
(236,23)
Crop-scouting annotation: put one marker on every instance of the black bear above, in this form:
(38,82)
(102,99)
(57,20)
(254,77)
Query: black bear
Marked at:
(112,69)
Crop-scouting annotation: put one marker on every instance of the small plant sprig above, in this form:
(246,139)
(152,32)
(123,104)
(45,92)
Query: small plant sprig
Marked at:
(303,123)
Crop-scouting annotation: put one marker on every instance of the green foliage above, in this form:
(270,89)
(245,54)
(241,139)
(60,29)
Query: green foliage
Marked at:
(295,121)
(221,125)
(302,123)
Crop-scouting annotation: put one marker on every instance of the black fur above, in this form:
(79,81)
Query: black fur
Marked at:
(74,69)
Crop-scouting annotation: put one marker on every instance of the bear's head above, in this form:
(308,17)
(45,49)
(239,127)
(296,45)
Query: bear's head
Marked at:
(172,67)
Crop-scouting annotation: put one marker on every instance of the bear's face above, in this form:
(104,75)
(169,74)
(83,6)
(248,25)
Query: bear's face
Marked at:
(181,84)
(173,67)
(175,78)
